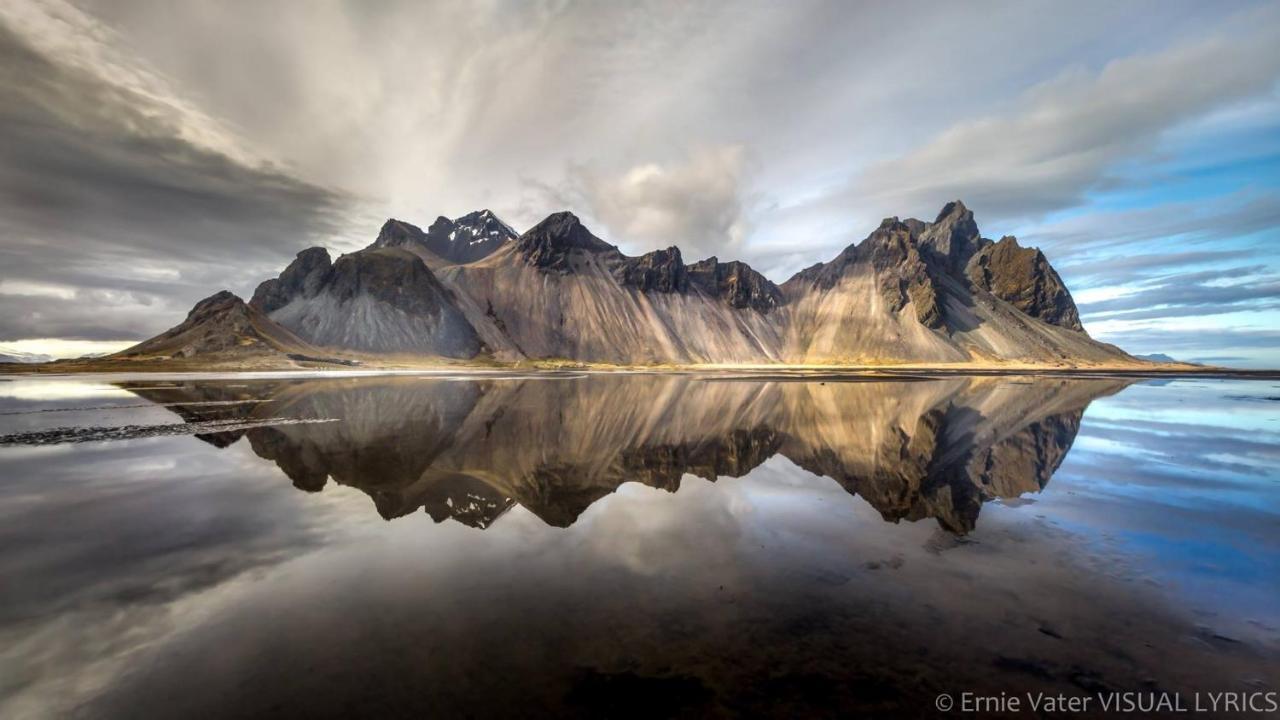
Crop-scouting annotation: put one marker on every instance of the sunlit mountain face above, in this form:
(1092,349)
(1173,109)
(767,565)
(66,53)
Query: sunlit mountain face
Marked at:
(593,545)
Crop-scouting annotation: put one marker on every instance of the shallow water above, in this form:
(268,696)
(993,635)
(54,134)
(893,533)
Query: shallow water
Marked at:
(638,545)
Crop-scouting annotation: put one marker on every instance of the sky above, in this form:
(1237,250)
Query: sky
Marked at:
(154,153)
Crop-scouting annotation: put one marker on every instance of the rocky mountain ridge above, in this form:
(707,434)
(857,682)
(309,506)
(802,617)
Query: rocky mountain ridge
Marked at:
(223,324)
(466,239)
(383,299)
(912,291)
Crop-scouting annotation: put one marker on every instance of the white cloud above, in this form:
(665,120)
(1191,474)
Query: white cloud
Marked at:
(696,204)
(1062,137)
(60,348)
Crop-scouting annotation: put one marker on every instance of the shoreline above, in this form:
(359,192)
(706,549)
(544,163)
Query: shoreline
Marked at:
(117,369)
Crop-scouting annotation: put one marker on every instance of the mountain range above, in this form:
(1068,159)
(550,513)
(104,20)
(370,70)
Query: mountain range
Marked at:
(471,288)
(10,355)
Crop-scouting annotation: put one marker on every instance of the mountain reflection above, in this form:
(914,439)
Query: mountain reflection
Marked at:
(470,449)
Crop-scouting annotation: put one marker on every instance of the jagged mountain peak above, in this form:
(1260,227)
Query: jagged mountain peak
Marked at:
(952,238)
(911,291)
(488,220)
(736,283)
(398,232)
(655,271)
(550,243)
(956,209)
(469,238)
(560,223)
(893,224)
(315,254)
(214,303)
(383,299)
(309,270)
(1023,278)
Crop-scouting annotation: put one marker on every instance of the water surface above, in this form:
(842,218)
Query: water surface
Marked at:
(630,545)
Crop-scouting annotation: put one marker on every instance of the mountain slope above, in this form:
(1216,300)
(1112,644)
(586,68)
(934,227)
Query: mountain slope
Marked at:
(911,292)
(8,355)
(222,325)
(559,291)
(378,300)
(936,292)
(1024,278)
(472,237)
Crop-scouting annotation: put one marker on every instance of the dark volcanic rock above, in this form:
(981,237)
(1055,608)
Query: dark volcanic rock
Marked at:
(659,271)
(395,233)
(736,283)
(475,235)
(1024,278)
(472,237)
(904,275)
(551,243)
(814,275)
(952,238)
(221,324)
(560,291)
(303,278)
(914,260)
(391,276)
(382,300)
(824,276)
(441,229)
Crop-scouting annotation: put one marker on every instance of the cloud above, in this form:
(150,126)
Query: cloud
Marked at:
(1063,138)
(1126,268)
(123,199)
(1114,233)
(1207,292)
(151,158)
(1241,346)
(696,204)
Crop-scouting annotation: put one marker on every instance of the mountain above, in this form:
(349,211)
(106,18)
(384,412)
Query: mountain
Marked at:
(1163,358)
(8,355)
(382,299)
(472,237)
(936,292)
(222,326)
(559,291)
(911,292)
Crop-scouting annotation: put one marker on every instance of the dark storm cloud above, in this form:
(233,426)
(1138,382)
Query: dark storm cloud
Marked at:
(103,195)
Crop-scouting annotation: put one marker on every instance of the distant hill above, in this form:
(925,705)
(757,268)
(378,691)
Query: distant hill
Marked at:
(1161,358)
(222,326)
(9,355)
(911,292)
